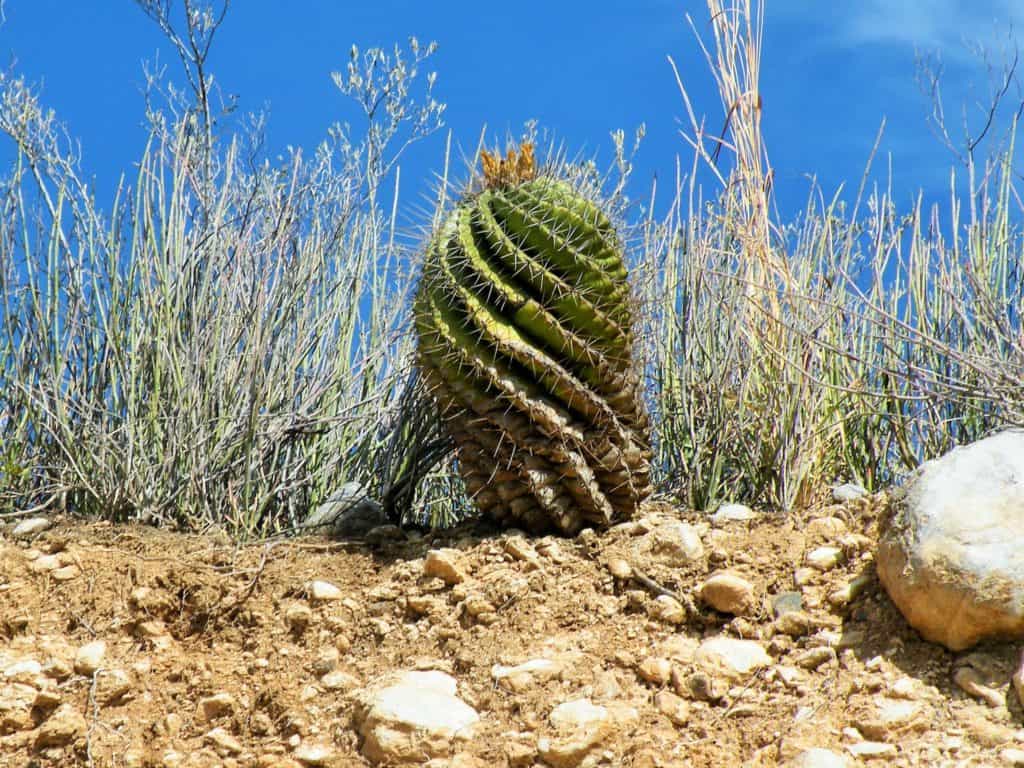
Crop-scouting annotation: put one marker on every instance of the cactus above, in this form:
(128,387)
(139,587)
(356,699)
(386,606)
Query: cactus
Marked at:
(524,323)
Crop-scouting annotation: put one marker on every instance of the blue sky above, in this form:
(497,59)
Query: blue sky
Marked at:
(830,75)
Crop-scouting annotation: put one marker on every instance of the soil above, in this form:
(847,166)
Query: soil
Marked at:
(186,618)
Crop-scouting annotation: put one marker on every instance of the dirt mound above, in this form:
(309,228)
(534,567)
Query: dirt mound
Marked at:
(128,646)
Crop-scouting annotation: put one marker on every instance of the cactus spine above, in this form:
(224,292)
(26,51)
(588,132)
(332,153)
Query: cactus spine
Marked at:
(525,340)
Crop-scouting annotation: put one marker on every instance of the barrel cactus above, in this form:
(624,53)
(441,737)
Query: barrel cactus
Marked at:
(525,342)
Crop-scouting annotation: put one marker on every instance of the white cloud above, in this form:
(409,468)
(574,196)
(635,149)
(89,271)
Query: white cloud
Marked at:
(938,25)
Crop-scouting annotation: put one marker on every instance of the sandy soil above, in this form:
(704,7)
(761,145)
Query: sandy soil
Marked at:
(190,620)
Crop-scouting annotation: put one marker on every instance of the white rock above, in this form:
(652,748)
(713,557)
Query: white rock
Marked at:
(1012,756)
(314,754)
(848,492)
(951,558)
(869,749)
(674,543)
(30,527)
(16,702)
(580,713)
(729,593)
(730,657)
(338,680)
(90,657)
(732,513)
(22,671)
(824,558)
(412,718)
(324,591)
(818,757)
(521,676)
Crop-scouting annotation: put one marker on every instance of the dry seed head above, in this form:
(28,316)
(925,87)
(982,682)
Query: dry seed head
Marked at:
(515,168)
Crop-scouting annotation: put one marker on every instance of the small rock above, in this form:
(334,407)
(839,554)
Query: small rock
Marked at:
(804,576)
(619,568)
(1012,756)
(223,742)
(581,727)
(655,670)
(824,558)
(324,592)
(45,563)
(892,717)
(337,680)
(30,527)
(112,685)
(63,727)
(787,601)
(729,593)
(849,591)
(349,511)
(16,702)
(813,658)
(969,680)
(818,757)
(848,492)
(297,617)
(90,657)
(444,564)
(730,657)
(674,544)
(672,706)
(667,609)
(826,528)
(58,669)
(870,749)
(732,513)
(65,573)
(794,624)
(23,671)
(699,685)
(314,754)
(518,547)
(218,705)
(521,676)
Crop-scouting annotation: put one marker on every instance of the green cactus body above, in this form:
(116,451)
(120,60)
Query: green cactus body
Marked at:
(525,340)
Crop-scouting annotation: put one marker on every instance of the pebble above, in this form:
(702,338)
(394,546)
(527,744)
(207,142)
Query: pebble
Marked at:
(969,680)
(314,754)
(674,707)
(787,601)
(90,657)
(1012,756)
(519,677)
(223,742)
(729,593)
(655,670)
(667,609)
(30,527)
(324,592)
(65,573)
(730,657)
(818,757)
(297,617)
(824,558)
(112,685)
(813,658)
(337,680)
(794,624)
(870,749)
(675,544)
(217,705)
(63,727)
(619,568)
(732,513)
(444,564)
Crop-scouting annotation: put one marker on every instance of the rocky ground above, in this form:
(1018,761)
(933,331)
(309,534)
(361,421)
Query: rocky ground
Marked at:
(674,640)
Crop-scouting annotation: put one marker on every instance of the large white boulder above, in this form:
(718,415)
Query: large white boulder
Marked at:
(952,558)
(412,718)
